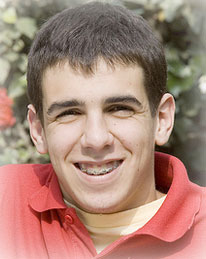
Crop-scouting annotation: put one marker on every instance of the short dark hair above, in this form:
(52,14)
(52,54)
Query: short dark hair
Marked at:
(83,34)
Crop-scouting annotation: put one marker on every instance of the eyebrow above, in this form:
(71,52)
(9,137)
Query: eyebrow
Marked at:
(123,99)
(75,103)
(64,104)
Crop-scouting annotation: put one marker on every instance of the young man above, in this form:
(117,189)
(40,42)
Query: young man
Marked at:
(97,86)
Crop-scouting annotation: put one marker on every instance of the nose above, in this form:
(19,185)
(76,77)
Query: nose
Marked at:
(96,134)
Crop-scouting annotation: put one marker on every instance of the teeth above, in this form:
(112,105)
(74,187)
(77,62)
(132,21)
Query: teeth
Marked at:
(97,169)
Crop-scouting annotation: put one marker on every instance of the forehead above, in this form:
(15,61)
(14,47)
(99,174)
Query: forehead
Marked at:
(62,81)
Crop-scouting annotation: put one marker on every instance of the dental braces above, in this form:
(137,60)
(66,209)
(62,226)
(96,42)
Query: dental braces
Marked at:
(102,171)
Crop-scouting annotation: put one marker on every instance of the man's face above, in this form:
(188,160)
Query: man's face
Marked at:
(100,136)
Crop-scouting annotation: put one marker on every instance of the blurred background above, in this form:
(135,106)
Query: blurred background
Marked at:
(179,24)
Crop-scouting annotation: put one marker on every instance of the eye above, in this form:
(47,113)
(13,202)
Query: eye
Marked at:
(68,115)
(121,110)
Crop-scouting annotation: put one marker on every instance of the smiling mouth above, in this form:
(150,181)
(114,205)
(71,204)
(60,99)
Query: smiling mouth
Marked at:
(98,169)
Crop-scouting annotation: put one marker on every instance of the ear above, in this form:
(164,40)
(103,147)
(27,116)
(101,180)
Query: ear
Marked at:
(165,119)
(36,130)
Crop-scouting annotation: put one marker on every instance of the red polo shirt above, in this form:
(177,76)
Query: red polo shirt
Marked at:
(35,223)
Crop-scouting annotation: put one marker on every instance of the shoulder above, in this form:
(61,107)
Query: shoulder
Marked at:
(26,176)
(200,190)
(200,216)
(24,169)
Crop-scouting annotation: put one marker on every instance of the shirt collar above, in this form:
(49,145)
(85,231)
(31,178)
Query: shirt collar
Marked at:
(174,218)
(49,196)
(177,213)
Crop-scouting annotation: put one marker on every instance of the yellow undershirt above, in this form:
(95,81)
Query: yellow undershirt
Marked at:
(106,228)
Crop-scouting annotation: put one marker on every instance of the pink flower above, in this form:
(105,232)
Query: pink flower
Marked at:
(6,114)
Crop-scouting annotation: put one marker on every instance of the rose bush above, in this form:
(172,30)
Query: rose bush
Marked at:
(6,114)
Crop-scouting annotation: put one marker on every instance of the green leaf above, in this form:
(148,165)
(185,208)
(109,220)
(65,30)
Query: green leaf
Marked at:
(202,84)
(2,143)
(5,68)
(10,156)
(3,49)
(194,17)
(182,126)
(9,16)
(5,38)
(179,69)
(18,46)
(11,56)
(191,103)
(198,63)
(170,10)
(26,26)
(18,86)
(22,64)
(176,85)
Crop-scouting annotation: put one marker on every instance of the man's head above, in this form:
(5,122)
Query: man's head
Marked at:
(101,76)
(84,34)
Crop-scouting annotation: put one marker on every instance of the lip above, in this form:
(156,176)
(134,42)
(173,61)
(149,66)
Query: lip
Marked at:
(98,163)
(98,179)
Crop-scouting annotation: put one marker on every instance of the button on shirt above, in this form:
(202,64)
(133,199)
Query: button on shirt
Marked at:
(69,219)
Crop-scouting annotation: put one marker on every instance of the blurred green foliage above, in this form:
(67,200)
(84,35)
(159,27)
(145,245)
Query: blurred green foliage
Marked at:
(180,25)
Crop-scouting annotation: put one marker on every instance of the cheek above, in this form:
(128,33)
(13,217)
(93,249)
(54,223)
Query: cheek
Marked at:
(62,138)
(134,134)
